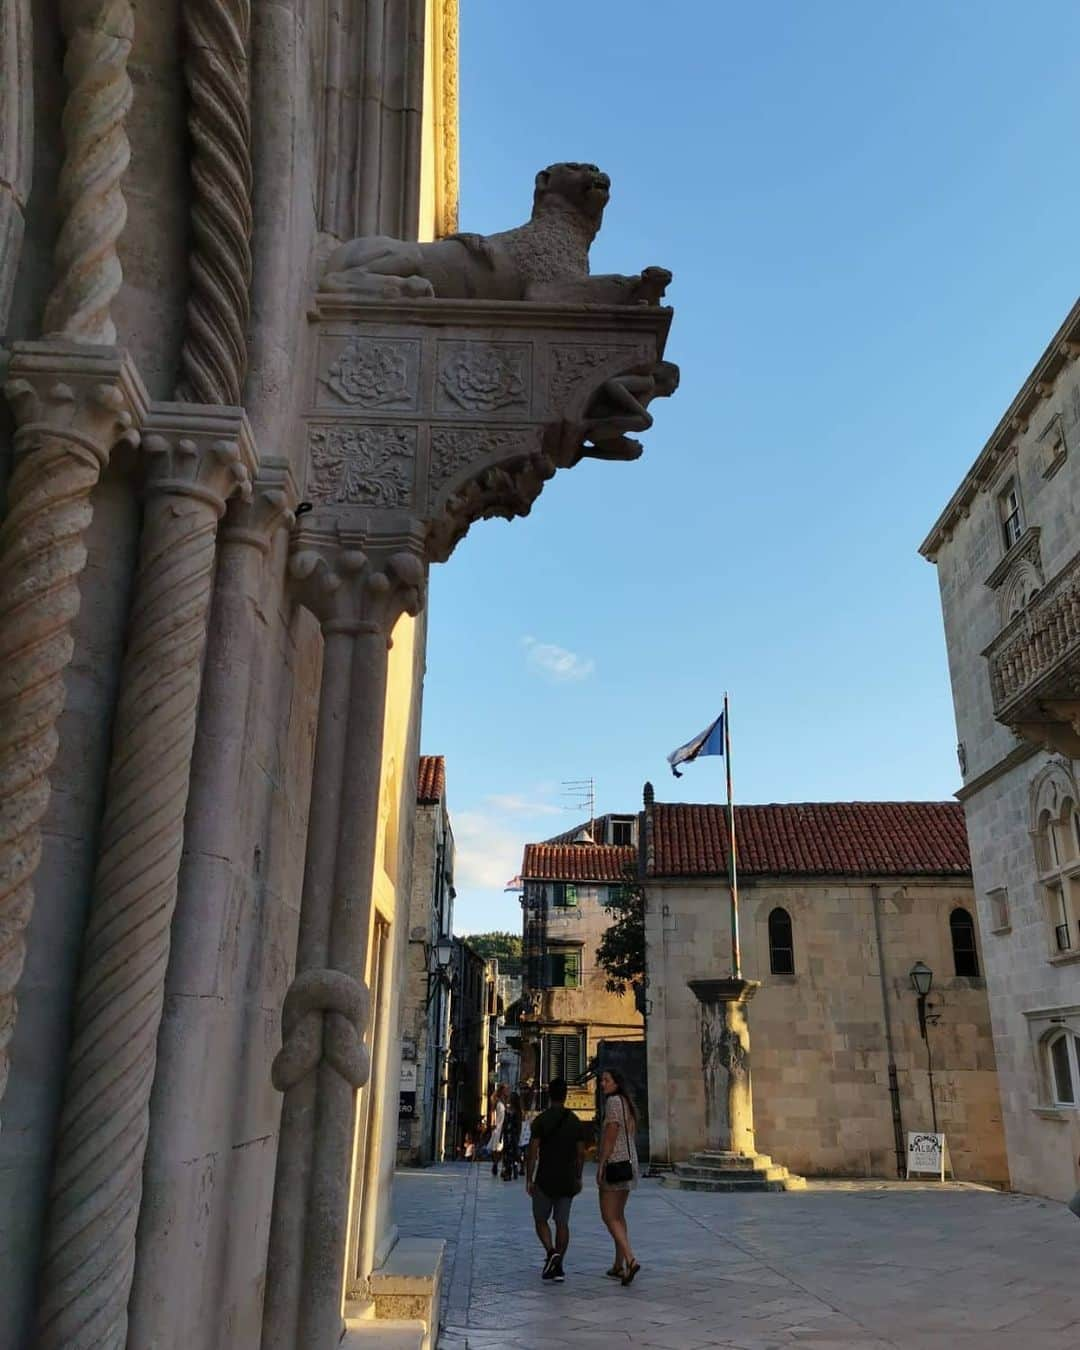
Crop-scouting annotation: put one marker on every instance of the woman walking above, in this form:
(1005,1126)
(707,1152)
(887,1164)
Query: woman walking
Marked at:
(497,1119)
(511,1139)
(617,1169)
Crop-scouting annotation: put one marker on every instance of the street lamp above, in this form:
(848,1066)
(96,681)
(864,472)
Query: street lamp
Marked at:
(922,980)
(440,959)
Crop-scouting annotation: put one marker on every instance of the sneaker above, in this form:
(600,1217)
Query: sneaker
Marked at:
(557,1270)
(548,1273)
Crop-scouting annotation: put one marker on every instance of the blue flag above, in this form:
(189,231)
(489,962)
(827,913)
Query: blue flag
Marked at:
(708,742)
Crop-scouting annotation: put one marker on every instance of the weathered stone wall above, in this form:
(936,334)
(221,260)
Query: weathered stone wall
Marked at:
(817,1039)
(1028,980)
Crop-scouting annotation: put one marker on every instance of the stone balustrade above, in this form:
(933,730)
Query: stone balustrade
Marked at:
(1035,665)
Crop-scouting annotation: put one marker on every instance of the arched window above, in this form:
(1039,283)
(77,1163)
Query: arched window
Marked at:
(1063,1067)
(965,953)
(781,943)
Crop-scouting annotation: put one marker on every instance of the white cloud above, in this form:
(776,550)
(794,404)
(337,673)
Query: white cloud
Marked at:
(522,806)
(486,853)
(557,662)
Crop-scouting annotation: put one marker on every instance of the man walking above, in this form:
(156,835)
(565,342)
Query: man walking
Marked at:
(557,1144)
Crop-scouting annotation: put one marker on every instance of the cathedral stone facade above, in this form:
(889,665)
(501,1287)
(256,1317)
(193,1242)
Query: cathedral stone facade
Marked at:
(1007,550)
(247,407)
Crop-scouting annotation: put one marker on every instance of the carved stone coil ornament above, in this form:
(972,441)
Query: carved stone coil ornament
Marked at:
(193,466)
(214,356)
(71,409)
(92,208)
(323,1019)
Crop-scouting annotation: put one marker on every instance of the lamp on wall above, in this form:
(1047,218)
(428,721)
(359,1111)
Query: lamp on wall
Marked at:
(922,981)
(440,959)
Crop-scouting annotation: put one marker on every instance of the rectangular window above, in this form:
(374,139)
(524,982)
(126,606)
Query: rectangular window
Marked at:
(999,910)
(563,1057)
(564,970)
(1012,525)
(564,895)
(622,831)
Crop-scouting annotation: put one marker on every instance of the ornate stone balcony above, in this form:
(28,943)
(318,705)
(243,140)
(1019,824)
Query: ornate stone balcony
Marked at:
(1035,666)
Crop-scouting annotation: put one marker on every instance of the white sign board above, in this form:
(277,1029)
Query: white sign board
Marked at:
(927,1155)
(407,1081)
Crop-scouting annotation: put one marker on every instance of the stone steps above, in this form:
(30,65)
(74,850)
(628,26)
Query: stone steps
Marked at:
(714,1171)
(385,1332)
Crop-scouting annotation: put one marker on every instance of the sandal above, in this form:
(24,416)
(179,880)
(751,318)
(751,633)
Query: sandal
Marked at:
(615,1273)
(631,1270)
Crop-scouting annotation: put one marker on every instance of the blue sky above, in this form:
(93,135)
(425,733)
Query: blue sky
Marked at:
(870,212)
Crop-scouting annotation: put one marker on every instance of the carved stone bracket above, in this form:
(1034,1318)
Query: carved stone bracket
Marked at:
(442,412)
(269,507)
(72,405)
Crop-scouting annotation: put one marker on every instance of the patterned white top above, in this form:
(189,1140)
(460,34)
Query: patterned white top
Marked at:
(625,1149)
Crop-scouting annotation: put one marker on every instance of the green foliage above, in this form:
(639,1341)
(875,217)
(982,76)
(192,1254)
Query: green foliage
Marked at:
(621,953)
(505,946)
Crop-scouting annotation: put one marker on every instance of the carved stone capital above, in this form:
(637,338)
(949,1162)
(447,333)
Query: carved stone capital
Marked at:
(203,452)
(354,584)
(270,506)
(90,397)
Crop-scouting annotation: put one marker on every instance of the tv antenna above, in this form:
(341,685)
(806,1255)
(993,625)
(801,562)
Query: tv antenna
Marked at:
(582,794)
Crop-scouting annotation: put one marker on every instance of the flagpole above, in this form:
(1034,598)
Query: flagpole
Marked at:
(733,880)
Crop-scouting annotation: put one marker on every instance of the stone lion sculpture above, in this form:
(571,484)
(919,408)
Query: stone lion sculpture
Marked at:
(546,259)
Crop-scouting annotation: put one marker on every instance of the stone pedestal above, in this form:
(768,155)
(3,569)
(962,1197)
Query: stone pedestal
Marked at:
(731,1163)
(725,1062)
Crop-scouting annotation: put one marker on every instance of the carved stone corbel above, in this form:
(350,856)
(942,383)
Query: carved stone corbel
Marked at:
(196,458)
(72,405)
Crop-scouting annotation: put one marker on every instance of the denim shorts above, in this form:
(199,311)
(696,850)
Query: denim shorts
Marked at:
(544,1206)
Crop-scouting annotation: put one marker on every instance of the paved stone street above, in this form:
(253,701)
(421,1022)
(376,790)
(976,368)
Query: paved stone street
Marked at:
(841,1265)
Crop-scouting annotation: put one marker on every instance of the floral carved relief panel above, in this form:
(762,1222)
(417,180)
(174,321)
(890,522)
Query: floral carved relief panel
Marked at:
(457,450)
(362,465)
(375,374)
(483,377)
(573,368)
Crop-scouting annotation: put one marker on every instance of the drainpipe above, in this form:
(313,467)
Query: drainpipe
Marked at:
(890,1049)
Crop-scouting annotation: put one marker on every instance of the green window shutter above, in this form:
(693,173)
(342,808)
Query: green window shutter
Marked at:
(570,892)
(572,970)
(572,1057)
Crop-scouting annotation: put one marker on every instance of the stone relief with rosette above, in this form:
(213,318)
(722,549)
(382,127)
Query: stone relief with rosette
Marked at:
(483,377)
(363,466)
(375,374)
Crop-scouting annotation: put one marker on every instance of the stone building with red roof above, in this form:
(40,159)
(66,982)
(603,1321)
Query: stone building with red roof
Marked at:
(569,1017)
(837,902)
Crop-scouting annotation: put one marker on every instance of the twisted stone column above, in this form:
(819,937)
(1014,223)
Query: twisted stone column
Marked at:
(357,592)
(93,211)
(195,462)
(179,1234)
(214,356)
(71,405)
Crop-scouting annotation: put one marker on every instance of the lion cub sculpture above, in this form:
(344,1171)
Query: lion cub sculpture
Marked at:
(546,259)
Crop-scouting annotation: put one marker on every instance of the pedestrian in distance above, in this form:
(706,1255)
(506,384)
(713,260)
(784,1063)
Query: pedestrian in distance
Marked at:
(511,1154)
(498,1119)
(617,1169)
(553,1168)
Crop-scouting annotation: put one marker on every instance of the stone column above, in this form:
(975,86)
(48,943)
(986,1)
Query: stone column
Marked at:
(725,1059)
(203,1024)
(357,593)
(196,459)
(72,404)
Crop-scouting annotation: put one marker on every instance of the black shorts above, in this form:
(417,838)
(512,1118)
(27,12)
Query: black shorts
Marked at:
(544,1206)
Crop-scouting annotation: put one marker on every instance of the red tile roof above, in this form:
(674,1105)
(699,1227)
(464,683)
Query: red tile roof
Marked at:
(431,779)
(812,839)
(577,862)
